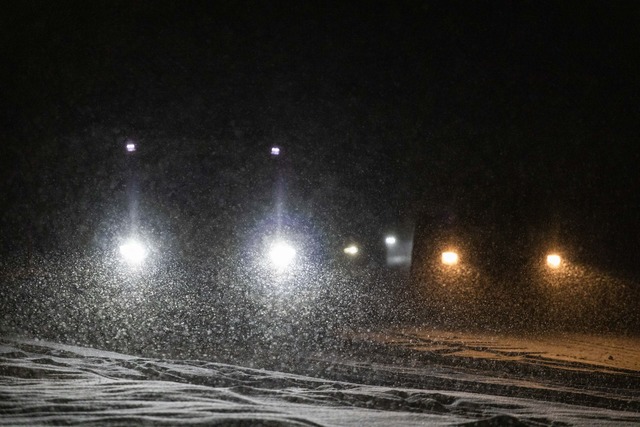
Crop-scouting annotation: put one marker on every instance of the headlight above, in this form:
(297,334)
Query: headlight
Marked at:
(450,258)
(351,250)
(281,255)
(133,252)
(554,261)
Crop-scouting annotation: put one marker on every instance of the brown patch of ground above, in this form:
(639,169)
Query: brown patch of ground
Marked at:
(566,350)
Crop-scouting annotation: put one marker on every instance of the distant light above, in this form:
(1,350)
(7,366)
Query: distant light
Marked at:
(390,240)
(131,147)
(133,252)
(275,151)
(449,258)
(351,250)
(554,260)
(281,255)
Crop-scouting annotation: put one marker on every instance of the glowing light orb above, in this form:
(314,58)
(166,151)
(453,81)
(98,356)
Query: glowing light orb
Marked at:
(275,151)
(450,258)
(131,147)
(133,252)
(282,255)
(390,240)
(554,261)
(351,250)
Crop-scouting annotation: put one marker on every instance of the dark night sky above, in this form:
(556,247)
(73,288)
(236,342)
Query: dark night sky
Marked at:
(522,113)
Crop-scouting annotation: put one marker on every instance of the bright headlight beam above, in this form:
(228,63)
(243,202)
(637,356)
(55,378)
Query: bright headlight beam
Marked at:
(133,252)
(554,260)
(450,258)
(390,240)
(282,255)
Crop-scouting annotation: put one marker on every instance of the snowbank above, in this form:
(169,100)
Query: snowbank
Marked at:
(49,383)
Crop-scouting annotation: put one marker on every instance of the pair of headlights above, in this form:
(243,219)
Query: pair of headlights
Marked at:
(452,258)
(281,254)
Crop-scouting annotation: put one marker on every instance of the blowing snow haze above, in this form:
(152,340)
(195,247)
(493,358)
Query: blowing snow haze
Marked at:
(515,121)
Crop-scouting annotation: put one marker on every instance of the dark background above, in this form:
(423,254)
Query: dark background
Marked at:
(516,120)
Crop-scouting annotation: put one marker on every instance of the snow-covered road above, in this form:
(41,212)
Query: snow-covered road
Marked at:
(44,383)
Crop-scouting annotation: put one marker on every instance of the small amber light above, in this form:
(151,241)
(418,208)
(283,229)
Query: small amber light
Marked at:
(450,258)
(554,261)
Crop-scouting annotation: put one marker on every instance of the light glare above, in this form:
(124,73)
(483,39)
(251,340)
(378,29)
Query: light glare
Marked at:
(275,151)
(449,258)
(351,250)
(282,255)
(554,260)
(131,147)
(390,240)
(133,252)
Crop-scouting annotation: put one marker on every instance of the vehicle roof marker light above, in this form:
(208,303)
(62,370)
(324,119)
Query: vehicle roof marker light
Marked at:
(450,258)
(554,260)
(351,250)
